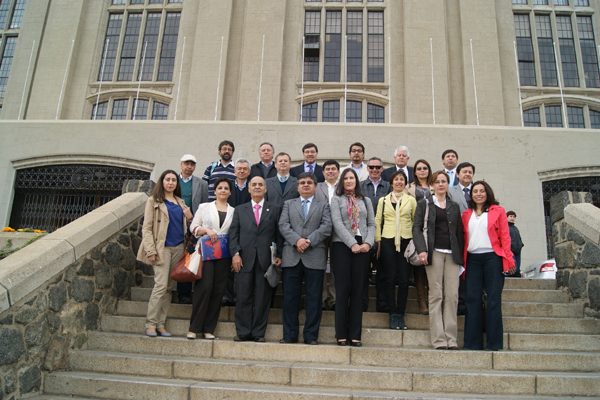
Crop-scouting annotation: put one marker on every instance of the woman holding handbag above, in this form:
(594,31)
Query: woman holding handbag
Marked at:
(441,251)
(211,219)
(353,235)
(165,224)
(487,259)
(393,232)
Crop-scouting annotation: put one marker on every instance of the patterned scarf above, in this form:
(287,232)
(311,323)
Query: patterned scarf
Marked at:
(353,210)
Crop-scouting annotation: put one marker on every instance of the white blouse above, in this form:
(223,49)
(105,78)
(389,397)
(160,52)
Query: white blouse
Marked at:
(479,239)
(207,216)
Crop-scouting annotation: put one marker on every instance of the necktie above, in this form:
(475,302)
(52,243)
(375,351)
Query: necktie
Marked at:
(451,175)
(467,195)
(256,216)
(310,168)
(305,208)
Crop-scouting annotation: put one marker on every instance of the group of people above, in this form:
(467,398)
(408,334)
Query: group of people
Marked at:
(328,227)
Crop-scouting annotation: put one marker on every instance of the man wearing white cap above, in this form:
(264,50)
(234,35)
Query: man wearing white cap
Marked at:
(193,192)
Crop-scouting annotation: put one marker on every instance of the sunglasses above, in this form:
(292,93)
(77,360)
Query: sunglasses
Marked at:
(422,168)
(374,166)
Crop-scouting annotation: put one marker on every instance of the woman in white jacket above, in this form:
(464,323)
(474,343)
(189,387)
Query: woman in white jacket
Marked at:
(211,219)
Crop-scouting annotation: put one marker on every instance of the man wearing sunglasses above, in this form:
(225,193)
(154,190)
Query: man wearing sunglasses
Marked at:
(374,187)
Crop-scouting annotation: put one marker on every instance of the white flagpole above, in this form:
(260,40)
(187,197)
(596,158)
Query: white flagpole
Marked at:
(302,92)
(219,79)
(346,80)
(562,98)
(137,96)
(390,80)
(519,83)
(62,88)
(432,83)
(474,83)
(179,83)
(262,58)
(101,77)
(26,77)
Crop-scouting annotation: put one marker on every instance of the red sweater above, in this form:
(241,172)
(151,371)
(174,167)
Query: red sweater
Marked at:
(498,232)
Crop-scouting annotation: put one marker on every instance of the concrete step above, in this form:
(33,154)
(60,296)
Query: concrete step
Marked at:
(509,283)
(113,386)
(508,295)
(550,310)
(407,358)
(381,320)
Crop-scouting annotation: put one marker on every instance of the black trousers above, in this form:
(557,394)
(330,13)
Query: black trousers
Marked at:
(207,296)
(252,303)
(350,270)
(292,291)
(396,269)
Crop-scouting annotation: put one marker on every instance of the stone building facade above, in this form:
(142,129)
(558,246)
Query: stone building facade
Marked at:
(429,74)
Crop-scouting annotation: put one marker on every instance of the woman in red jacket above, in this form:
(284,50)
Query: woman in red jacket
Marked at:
(487,260)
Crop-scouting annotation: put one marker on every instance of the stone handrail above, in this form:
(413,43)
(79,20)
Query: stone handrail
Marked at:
(25,271)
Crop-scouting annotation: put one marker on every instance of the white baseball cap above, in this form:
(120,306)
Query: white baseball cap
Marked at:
(188,157)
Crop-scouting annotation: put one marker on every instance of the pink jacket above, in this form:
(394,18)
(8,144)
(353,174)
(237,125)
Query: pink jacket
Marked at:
(498,232)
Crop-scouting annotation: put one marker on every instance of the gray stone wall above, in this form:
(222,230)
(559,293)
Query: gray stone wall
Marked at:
(576,250)
(37,332)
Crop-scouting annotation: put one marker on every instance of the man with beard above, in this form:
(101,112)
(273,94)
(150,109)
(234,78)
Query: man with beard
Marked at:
(223,168)
(357,155)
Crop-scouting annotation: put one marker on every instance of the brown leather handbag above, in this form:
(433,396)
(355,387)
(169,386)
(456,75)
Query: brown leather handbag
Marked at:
(189,266)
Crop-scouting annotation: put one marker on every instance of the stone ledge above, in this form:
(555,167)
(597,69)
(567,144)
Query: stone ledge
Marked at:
(126,208)
(586,219)
(24,271)
(4,304)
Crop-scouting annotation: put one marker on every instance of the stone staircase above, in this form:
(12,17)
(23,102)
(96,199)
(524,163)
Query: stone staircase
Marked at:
(550,351)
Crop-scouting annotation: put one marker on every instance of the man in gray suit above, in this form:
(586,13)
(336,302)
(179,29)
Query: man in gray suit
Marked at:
(194,191)
(305,223)
(253,230)
(325,191)
(461,193)
(282,186)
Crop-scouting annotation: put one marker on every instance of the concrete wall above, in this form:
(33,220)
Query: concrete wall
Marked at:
(513,160)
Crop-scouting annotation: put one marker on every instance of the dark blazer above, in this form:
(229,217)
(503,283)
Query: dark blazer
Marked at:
(274,194)
(455,177)
(316,228)
(385,175)
(199,193)
(368,189)
(252,241)
(244,195)
(454,224)
(297,170)
(256,170)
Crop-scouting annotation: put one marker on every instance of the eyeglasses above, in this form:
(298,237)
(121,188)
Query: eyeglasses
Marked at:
(422,168)
(374,166)
(356,151)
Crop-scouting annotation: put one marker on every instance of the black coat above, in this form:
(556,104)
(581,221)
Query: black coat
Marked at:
(454,224)
(297,170)
(256,170)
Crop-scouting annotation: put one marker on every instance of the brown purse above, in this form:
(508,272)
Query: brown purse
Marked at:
(189,266)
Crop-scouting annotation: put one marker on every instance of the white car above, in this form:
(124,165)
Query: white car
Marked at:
(540,270)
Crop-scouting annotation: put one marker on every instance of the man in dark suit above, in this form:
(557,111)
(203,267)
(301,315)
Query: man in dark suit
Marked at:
(461,194)
(305,223)
(450,159)
(309,152)
(253,230)
(194,191)
(282,186)
(265,167)
(325,191)
(401,157)
(240,194)
(374,187)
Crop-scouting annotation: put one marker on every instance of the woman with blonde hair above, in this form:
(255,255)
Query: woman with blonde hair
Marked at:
(441,252)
